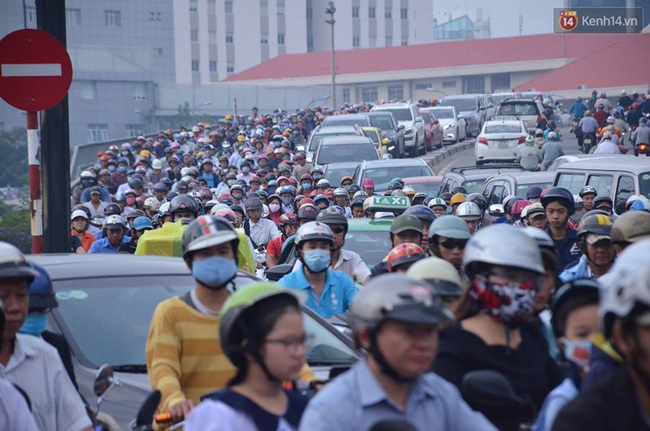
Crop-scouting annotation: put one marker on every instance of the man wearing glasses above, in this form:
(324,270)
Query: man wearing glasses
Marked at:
(448,236)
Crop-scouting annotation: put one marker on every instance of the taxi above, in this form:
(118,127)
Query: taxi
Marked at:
(499,139)
(380,143)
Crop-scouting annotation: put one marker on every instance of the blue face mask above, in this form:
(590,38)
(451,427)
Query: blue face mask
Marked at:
(317,260)
(122,169)
(35,324)
(111,168)
(286,201)
(214,272)
(577,352)
(306,186)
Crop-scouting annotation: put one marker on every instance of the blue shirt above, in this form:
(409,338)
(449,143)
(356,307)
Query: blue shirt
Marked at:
(556,399)
(356,401)
(104,246)
(337,295)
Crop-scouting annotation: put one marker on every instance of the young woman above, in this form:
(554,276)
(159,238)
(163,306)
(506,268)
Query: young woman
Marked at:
(262,334)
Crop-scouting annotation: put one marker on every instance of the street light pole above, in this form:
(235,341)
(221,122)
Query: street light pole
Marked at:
(330,11)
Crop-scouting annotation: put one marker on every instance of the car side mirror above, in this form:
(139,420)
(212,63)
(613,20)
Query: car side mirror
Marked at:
(401,127)
(419,120)
(461,117)
(278,271)
(104,379)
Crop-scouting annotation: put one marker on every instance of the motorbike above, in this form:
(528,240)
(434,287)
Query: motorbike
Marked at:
(588,142)
(639,148)
(104,382)
(147,412)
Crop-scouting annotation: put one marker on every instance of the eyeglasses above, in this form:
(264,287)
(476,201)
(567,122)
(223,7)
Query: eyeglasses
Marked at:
(292,344)
(338,230)
(451,244)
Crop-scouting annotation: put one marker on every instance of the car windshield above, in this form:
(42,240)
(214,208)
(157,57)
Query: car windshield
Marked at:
(374,137)
(381,122)
(349,153)
(372,246)
(475,186)
(522,189)
(443,113)
(401,114)
(316,139)
(502,128)
(517,108)
(382,176)
(431,189)
(334,175)
(644,183)
(344,120)
(109,319)
(460,104)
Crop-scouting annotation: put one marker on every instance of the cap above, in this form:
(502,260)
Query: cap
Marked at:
(141,223)
(593,238)
(78,213)
(404,223)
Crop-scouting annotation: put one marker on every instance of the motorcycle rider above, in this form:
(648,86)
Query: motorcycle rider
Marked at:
(448,236)
(288,225)
(641,136)
(113,236)
(624,101)
(634,115)
(588,194)
(260,230)
(588,125)
(606,146)
(595,243)
(405,228)
(396,319)
(528,156)
(578,109)
(559,205)
(551,150)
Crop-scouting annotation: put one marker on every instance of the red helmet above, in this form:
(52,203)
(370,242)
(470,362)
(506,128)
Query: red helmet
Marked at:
(288,218)
(518,207)
(403,254)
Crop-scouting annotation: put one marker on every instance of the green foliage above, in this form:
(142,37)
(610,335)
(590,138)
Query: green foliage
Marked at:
(13,163)
(15,228)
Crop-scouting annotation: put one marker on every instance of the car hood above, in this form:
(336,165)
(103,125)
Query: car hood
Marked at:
(468,113)
(445,121)
(406,123)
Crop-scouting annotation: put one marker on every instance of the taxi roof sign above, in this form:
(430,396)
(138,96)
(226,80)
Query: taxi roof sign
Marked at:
(393,204)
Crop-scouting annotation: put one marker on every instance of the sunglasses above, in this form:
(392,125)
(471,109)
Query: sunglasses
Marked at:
(454,243)
(338,230)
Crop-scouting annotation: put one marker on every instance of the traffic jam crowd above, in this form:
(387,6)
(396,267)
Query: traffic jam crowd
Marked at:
(529,314)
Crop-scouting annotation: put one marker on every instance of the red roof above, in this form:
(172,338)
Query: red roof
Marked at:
(622,63)
(439,55)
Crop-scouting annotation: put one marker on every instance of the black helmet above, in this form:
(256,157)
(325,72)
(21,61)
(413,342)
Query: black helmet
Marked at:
(598,224)
(111,209)
(603,199)
(184,203)
(478,199)
(586,288)
(587,190)
(253,203)
(308,212)
(208,231)
(458,189)
(421,212)
(41,291)
(445,196)
(562,195)
(534,193)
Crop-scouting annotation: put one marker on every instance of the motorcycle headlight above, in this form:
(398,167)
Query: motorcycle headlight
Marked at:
(300,148)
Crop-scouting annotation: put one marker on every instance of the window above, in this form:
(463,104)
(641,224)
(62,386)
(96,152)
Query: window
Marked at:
(113,18)
(157,52)
(355,11)
(264,8)
(30,14)
(194,6)
(280,38)
(229,38)
(623,191)
(448,84)
(571,182)
(346,95)
(389,40)
(228,6)
(602,184)
(356,42)
(404,13)
(372,41)
(194,35)
(97,132)
(140,92)
(212,6)
(155,16)
(73,16)
(213,65)
(388,13)
(280,9)
(474,84)
(310,13)
(310,44)
(88,90)
(134,129)
(372,12)
(230,68)
(212,37)
(395,92)
(264,39)
(369,94)
(405,41)
(195,65)
(422,85)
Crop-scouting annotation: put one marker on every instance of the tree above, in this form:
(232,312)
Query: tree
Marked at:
(13,163)
(15,228)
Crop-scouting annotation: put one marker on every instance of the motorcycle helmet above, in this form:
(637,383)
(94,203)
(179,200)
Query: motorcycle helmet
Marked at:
(441,275)
(421,212)
(561,195)
(208,231)
(14,265)
(404,254)
(631,226)
(183,203)
(313,231)
(449,226)
(468,211)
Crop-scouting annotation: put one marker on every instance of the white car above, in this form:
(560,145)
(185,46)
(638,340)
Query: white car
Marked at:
(454,126)
(408,115)
(499,139)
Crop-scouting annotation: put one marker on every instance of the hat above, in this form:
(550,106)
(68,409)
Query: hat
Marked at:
(593,238)
(141,223)
(95,191)
(368,182)
(404,223)
(78,213)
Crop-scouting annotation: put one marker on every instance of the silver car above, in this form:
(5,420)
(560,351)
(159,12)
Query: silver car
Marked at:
(499,139)
(454,126)
(408,115)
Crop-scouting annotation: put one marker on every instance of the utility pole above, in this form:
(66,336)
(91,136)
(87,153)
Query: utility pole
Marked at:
(330,11)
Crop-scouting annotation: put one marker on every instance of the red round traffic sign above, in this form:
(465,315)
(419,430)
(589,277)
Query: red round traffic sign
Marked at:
(35,70)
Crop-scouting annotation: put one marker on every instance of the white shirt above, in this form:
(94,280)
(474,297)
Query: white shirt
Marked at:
(213,415)
(607,147)
(36,367)
(263,231)
(14,413)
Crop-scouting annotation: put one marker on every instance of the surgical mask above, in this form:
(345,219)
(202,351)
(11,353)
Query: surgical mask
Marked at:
(245,169)
(577,352)
(111,168)
(286,201)
(231,182)
(237,195)
(317,260)
(125,153)
(274,208)
(215,271)
(511,303)
(130,201)
(35,324)
(317,177)
(306,186)
(122,169)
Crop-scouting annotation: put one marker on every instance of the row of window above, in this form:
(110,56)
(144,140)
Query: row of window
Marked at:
(89,90)
(212,65)
(264,8)
(230,38)
(388,12)
(372,41)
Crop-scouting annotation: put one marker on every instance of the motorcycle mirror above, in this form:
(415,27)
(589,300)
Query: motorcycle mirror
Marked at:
(277,272)
(489,388)
(104,379)
(147,411)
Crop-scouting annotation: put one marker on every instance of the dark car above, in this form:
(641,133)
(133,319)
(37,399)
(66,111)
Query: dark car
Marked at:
(385,121)
(105,307)
(473,177)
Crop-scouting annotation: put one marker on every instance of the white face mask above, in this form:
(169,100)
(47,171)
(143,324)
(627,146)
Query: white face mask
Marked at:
(274,207)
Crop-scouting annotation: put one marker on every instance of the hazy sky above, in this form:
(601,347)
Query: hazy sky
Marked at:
(504,14)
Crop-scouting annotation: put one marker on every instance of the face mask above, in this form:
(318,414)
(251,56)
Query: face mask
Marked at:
(274,208)
(111,168)
(214,272)
(306,186)
(317,177)
(317,260)
(286,201)
(245,169)
(231,182)
(577,352)
(130,201)
(511,303)
(35,324)
(122,169)
(237,195)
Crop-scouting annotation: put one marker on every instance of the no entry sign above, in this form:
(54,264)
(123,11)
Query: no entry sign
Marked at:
(35,70)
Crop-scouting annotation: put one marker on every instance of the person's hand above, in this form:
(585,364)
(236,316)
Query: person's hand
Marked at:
(180,410)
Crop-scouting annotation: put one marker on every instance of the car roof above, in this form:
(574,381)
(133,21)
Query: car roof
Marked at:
(462,96)
(342,165)
(518,100)
(367,224)
(612,163)
(393,162)
(346,140)
(330,130)
(362,116)
(422,179)
(517,122)
(527,177)
(392,105)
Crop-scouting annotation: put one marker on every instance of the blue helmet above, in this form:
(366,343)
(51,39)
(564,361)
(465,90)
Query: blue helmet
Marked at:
(41,291)
(421,212)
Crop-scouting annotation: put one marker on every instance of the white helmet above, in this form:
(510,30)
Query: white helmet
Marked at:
(502,244)
(114,221)
(157,164)
(623,92)
(530,140)
(628,285)
(468,211)
(152,204)
(439,273)
(163,210)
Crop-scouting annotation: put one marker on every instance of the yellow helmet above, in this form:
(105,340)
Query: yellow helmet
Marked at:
(229,117)
(458,198)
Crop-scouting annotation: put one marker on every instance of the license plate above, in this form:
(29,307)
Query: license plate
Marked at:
(504,144)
